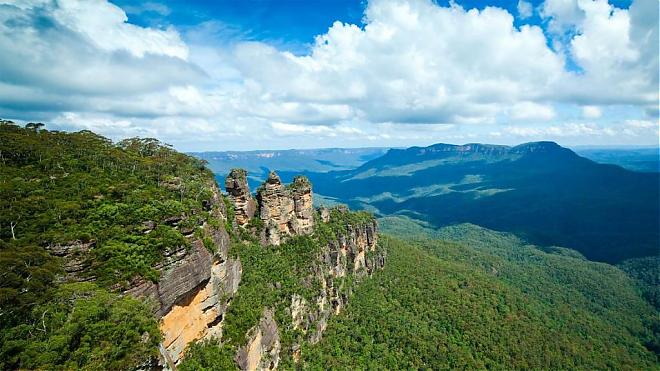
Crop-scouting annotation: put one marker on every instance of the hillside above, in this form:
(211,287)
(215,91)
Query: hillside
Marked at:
(443,305)
(540,191)
(128,256)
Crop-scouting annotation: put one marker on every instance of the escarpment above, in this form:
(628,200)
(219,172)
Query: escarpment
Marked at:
(195,286)
(322,254)
(272,253)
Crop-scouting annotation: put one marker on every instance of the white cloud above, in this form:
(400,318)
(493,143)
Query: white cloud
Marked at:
(630,128)
(641,124)
(616,50)
(591,112)
(475,65)
(525,9)
(532,111)
(415,72)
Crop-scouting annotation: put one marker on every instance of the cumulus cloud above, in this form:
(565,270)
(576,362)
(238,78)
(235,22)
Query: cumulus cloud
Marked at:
(415,71)
(616,50)
(475,66)
(532,111)
(83,55)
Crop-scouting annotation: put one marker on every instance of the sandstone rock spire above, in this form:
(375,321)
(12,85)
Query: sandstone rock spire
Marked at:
(239,194)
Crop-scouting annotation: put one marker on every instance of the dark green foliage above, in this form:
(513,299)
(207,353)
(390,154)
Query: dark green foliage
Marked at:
(82,327)
(209,355)
(26,273)
(540,191)
(271,276)
(440,305)
(124,200)
(63,187)
(646,273)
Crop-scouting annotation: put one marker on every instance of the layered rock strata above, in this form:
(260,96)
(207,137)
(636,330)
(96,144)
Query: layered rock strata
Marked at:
(239,194)
(285,211)
(353,253)
(262,350)
(194,289)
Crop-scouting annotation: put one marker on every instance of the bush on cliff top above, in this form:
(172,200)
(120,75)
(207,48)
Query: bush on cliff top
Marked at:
(66,188)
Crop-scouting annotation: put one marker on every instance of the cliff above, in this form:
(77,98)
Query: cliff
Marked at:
(239,194)
(328,251)
(308,259)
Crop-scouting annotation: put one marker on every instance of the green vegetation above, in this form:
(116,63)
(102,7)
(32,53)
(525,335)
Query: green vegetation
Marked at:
(441,305)
(646,273)
(82,326)
(457,297)
(271,276)
(539,191)
(209,355)
(124,201)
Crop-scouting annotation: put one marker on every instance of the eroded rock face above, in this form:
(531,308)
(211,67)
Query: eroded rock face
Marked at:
(199,314)
(74,258)
(301,191)
(354,253)
(285,211)
(194,288)
(240,196)
(262,351)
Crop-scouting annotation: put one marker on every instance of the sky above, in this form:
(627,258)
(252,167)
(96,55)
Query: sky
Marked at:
(258,74)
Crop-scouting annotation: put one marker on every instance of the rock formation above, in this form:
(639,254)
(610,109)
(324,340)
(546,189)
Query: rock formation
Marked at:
(197,282)
(285,211)
(194,289)
(262,351)
(354,253)
(239,194)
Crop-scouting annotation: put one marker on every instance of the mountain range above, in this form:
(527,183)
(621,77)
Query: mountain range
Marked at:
(129,256)
(259,163)
(540,191)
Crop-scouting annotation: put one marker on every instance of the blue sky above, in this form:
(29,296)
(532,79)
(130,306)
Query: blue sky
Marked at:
(216,75)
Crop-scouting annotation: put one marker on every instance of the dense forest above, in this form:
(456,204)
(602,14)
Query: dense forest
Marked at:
(462,296)
(80,188)
(444,305)
(540,191)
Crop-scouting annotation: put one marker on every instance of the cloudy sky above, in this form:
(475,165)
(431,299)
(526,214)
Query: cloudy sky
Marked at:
(255,74)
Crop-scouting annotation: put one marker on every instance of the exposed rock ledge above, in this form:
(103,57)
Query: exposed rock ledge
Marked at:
(285,211)
(262,351)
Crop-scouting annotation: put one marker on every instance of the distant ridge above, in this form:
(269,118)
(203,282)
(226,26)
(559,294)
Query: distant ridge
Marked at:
(538,190)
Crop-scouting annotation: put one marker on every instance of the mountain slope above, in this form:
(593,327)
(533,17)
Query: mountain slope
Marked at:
(127,256)
(540,191)
(259,163)
(442,305)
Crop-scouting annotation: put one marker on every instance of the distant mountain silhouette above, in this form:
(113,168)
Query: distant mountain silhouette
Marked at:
(541,191)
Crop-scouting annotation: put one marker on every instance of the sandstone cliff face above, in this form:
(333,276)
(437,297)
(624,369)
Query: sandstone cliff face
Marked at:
(195,285)
(285,211)
(74,257)
(262,351)
(355,254)
(239,194)
(194,289)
